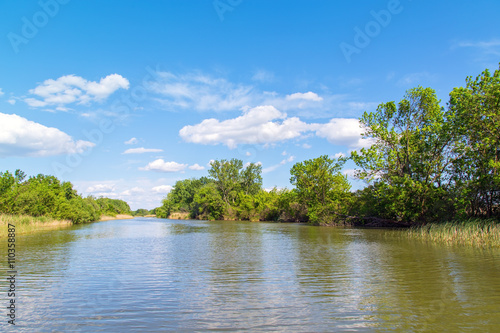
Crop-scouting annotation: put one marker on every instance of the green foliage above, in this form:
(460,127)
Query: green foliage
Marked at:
(231,178)
(209,203)
(322,188)
(476,124)
(410,155)
(112,207)
(140,212)
(43,195)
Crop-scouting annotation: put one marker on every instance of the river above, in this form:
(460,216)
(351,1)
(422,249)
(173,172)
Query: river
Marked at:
(156,275)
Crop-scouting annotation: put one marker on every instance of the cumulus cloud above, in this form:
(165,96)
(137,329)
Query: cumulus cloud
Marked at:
(161,166)
(22,137)
(343,131)
(260,125)
(133,191)
(70,89)
(266,125)
(103,188)
(142,150)
(162,189)
(339,155)
(306,96)
(196,166)
(132,141)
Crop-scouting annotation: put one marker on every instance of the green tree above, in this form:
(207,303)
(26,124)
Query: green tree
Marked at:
(476,124)
(322,188)
(251,179)
(226,175)
(209,203)
(410,156)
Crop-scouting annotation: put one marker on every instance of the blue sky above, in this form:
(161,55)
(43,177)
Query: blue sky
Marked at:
(124,98)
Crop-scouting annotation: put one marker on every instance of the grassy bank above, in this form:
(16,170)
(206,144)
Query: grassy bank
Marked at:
(475,232)
(28,224)
(179,216)
(116,217)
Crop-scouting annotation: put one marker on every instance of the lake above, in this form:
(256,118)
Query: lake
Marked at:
(156,275)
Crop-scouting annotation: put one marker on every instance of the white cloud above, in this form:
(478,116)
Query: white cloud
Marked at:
(22,137)
(248,153)
(142,150)
(161,166)
(103,188)
(343,131)
(196,166)
(338,155)
(306,146)
(307,96)
(11,101)
(74,89)
(162,189)
(260,125)
(351,173)
(266,125)
(132,141)
(1,92)
(133,191)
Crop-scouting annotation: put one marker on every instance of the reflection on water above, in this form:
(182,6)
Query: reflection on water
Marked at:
(169,275)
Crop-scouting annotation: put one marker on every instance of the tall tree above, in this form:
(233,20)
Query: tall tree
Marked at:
(411,154)
(476,110)
(226,175)
(321,187)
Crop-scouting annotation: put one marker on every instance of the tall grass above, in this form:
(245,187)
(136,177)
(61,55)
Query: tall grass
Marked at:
(28,224)
(475,232)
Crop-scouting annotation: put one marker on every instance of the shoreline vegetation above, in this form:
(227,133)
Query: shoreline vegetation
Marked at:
(26,224)
(116,217)
(423,163)
(481,233)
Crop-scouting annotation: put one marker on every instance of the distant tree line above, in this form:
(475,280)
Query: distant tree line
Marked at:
(43,195)
(426,163)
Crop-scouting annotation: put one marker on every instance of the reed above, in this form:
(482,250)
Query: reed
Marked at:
(474,232)
(26,224)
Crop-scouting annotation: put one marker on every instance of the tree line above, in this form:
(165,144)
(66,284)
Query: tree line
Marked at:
(43,195)
(426,163)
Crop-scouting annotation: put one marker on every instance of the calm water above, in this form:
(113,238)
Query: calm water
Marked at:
(158,275)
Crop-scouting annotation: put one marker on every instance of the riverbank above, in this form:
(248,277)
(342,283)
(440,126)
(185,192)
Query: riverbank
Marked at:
(116,217)
(179,216)
(473,232)
(26,224)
